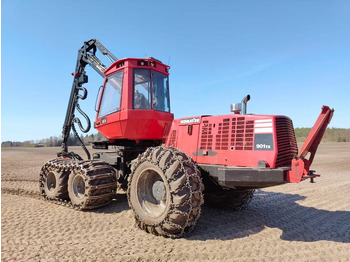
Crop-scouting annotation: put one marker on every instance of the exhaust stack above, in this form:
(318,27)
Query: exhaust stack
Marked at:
(244,103)
(237,108)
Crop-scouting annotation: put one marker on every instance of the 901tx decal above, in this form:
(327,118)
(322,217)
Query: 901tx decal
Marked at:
(263,142)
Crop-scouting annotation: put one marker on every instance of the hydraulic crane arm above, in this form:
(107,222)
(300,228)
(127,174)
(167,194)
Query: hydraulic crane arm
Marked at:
(86,56)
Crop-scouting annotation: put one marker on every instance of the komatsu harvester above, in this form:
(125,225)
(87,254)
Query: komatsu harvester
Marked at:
(168,167)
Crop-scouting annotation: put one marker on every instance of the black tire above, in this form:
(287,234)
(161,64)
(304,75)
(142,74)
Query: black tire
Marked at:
(54,183)
(91,184)
(78,188)
(233,199)
(165,192)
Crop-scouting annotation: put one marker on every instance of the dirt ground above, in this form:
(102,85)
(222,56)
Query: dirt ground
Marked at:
(292,222)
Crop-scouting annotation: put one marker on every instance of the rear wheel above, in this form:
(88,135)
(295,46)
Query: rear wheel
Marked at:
(54,183)
(229,198)
(165,192)
(77,188)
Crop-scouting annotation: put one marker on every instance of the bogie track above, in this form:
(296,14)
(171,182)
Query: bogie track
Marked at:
(80,185)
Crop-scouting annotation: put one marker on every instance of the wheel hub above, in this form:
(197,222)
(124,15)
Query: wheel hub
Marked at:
(79,186)
(51,181)
(158,190)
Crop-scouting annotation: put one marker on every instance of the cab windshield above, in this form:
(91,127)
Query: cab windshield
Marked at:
(151,90)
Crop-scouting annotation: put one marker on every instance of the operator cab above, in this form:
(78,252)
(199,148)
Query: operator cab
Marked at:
(134,102)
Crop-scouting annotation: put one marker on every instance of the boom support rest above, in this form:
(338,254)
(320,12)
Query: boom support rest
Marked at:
(300,165)
(314,138)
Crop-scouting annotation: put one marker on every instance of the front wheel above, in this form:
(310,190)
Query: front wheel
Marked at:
(165,192)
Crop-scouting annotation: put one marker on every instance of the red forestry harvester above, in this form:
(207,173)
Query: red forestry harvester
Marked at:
(164,164)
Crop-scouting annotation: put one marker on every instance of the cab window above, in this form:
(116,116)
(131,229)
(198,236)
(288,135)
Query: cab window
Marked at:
(142,89)
(111,96)
(151,90)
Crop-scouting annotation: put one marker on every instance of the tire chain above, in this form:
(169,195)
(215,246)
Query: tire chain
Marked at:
(148,155)
(93,170)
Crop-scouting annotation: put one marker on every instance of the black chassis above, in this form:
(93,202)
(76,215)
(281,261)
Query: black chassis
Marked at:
(242,177)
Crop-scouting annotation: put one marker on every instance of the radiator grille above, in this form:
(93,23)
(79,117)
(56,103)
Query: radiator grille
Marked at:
(286,141)
(236,133)
(242,134)
(207,137)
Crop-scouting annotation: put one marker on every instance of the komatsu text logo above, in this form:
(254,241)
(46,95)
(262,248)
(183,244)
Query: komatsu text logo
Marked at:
(188,121)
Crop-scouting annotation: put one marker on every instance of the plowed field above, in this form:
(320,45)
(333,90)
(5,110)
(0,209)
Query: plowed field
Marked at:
(292,222)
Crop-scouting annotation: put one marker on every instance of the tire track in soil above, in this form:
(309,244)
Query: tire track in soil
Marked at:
(26,188)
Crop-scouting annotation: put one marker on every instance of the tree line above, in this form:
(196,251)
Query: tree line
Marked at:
(53,141)
(331,135)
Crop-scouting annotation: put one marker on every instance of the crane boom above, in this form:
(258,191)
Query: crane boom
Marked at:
(86,56)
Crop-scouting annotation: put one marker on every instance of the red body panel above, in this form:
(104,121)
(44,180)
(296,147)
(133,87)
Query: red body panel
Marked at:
(238,140)
(135,125)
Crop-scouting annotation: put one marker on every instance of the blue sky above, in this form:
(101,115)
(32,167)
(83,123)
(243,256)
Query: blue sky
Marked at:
(292,57)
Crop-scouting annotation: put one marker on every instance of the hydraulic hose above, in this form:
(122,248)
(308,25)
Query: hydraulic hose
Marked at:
(81,142)
(77,120)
